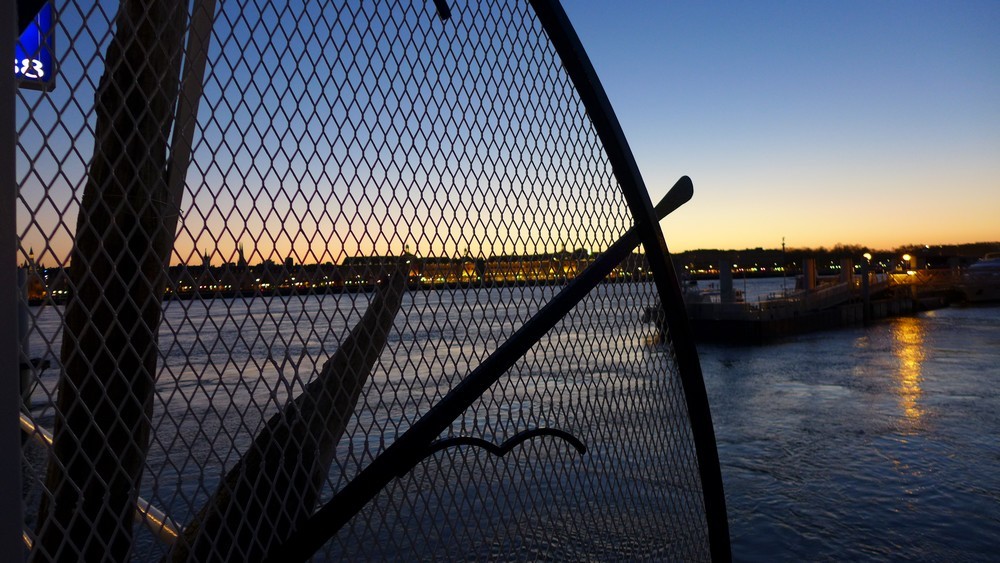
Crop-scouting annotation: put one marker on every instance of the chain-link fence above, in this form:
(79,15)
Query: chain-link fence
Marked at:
(348,275)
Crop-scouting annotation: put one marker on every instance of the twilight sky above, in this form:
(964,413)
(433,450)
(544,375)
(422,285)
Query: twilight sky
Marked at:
(873,123)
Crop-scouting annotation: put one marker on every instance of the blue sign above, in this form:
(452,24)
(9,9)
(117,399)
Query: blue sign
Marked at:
(34,66)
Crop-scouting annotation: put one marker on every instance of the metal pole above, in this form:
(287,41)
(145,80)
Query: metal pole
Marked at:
(24,361)
(866,304)
(10,393)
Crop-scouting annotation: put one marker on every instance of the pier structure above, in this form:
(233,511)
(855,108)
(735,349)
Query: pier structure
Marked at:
(817,304)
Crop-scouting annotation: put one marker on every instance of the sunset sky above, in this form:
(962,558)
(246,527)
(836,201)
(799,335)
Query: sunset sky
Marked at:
(868,123)
(873,123)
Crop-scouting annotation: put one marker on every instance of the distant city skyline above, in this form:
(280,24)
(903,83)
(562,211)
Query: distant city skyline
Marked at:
(969,251)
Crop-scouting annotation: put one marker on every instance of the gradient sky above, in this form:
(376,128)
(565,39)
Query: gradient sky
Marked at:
(872,123)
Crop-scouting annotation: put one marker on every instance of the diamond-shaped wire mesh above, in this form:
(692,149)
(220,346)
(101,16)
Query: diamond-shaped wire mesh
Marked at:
(353,166)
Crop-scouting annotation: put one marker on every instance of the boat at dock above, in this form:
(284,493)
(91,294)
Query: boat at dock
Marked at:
(981,281)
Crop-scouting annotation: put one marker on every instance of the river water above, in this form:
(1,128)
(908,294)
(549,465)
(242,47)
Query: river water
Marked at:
(868,443)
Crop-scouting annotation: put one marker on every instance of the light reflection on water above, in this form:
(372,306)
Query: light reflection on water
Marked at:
(865,443)
(909,335)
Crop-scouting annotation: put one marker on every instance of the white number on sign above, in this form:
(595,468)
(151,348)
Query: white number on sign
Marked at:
(29,68)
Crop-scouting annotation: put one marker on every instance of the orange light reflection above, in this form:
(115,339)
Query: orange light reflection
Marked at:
(908,333)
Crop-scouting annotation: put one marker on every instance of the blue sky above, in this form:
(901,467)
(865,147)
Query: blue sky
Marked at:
(873,123)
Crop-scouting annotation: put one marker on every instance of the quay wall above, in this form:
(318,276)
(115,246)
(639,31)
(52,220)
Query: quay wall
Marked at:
(755,328)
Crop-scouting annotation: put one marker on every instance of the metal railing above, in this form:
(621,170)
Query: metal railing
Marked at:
(162,527)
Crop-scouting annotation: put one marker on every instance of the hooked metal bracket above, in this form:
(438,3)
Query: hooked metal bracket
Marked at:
(499,451)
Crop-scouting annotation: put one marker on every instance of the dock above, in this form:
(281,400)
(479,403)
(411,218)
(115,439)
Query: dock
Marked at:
(849,300)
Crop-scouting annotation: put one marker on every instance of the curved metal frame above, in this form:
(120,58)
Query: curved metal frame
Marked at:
(582,73)
(412,446)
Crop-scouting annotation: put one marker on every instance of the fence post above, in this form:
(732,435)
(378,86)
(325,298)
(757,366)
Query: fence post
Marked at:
(10,393)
